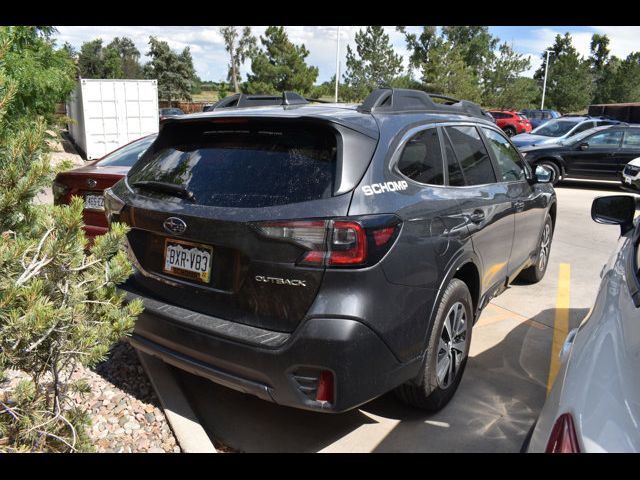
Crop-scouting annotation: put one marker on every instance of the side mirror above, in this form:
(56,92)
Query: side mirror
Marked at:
(614,210)
(584,146)
(542,174)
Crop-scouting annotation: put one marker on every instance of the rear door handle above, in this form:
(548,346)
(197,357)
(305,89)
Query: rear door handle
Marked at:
(477,216)
(518,205)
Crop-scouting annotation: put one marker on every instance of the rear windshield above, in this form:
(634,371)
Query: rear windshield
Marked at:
(244,165)
(127,155)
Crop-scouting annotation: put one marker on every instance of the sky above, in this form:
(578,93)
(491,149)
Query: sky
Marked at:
(211,60)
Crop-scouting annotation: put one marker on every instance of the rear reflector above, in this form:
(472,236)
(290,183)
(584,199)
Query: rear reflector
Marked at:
(324,393)
(563,437)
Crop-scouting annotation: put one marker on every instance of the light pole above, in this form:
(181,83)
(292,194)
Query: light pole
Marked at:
(544,85)
(337,61)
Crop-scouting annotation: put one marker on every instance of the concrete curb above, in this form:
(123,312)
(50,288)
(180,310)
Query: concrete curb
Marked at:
(185,425)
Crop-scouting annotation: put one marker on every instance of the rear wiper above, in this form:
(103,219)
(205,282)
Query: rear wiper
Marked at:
(177,190)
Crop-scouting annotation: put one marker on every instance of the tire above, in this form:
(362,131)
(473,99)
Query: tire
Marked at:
(432,390)
(510,131)
(536,272)
(556,174)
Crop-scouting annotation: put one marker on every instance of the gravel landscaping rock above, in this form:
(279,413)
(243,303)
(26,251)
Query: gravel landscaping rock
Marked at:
(125,413)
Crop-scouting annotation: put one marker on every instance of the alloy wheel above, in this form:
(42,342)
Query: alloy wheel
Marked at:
(452,346)
(544,247)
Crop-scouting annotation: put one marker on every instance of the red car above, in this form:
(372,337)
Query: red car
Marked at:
(90,181)
(512,123)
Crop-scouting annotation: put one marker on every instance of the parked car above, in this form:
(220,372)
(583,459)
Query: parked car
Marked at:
(631,176)
(538,117)
(320,256)
(169,112)
(89,182)
(563,128)
(594,404)
(512,123)
(599,153)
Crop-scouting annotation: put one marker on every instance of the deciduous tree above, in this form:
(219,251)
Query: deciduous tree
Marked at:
(239,47)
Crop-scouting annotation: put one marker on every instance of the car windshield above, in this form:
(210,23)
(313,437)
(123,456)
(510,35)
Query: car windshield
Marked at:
(555,128)
(580,136)
(128,155)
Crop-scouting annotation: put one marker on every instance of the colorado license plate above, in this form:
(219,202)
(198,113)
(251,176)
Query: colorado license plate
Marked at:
(187,259)
(93,202)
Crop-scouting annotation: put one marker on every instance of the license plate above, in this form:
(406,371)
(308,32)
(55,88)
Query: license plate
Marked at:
(94,202)
(187,260)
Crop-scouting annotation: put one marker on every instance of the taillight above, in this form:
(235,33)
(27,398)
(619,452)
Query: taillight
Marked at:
(112,205)
(337,243)
(563,438)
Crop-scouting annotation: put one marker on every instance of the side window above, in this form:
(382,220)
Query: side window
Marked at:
(421,158)
(472,155)
(456,177)
(583,127)
(631,139)
(509,163)
(606,139)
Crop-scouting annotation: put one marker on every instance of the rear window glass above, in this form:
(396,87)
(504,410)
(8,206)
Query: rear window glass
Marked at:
(127,155)
(245,165)
(421,159)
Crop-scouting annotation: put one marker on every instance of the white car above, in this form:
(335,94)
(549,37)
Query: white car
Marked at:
(594,404)
(631,176)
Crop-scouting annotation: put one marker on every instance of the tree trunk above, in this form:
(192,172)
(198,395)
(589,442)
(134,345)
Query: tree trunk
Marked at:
(234,73)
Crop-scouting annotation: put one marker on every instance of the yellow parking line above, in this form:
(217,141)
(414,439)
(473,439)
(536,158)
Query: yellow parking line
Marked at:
(561,322)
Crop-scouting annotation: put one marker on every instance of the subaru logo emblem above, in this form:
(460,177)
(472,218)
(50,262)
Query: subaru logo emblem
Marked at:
(174,225)
(91,182)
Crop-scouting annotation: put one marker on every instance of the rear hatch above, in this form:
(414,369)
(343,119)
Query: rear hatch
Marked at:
(211,205)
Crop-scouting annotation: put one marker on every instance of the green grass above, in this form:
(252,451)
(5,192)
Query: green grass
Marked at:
(205,96)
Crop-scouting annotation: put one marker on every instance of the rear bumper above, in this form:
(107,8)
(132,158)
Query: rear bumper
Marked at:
(274,366)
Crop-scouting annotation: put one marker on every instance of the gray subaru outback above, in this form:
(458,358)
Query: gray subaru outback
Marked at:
(318,256)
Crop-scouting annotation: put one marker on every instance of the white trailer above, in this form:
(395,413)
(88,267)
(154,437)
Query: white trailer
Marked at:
(112,113)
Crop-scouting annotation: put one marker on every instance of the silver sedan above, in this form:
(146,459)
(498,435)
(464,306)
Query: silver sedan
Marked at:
(594,405)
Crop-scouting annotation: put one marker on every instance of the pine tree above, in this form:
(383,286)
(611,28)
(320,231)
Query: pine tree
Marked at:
(447,73)
(374,63)
(58,304)
(503,87)
(569,85)
(175,73)
(280,66)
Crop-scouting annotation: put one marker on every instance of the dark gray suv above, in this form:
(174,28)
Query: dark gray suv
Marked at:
(318,256)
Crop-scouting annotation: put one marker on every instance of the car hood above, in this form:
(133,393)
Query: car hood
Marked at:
(537,148)
(635,162)
(527,139)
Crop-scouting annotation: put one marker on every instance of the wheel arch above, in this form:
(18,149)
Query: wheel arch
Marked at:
(555,159)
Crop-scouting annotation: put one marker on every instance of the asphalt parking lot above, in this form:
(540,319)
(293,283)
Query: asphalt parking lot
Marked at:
(512,363)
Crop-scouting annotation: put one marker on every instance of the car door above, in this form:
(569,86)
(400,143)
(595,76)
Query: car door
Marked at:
(630,147)
(529,204)
(596,156)
(484,203)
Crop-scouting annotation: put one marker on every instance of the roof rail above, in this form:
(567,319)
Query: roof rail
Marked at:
(243,100)
(391,100)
